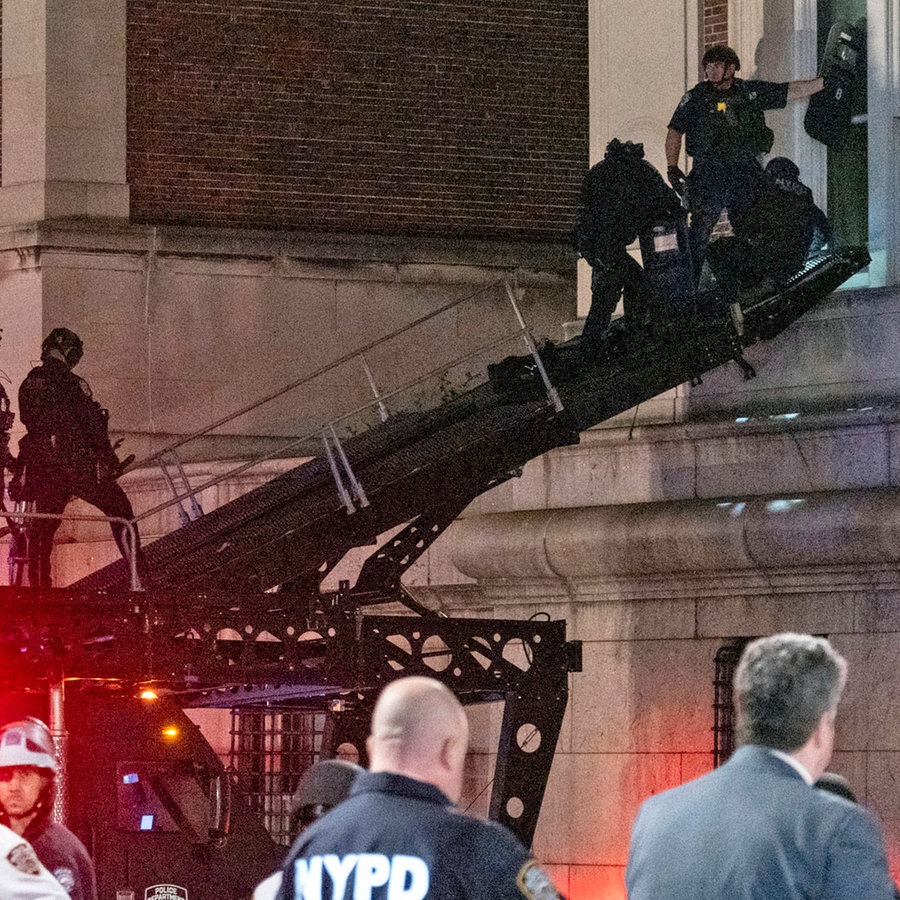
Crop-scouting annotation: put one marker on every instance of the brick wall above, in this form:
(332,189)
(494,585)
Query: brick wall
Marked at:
(715,23)
(459,118)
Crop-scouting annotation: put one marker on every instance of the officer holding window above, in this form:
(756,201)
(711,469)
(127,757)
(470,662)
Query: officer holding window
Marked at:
(723,122)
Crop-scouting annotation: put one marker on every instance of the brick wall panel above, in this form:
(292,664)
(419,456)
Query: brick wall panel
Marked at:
(715,22)
(394,116)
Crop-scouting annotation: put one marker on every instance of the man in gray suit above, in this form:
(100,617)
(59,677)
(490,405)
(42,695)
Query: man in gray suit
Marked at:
(756,827)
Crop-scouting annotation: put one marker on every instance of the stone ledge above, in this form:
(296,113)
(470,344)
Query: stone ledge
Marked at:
(682,537)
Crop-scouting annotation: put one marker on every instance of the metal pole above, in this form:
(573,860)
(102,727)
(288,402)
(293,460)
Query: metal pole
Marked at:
(343,493)
(382,409)
(354,483)
(60,739)
(515,293)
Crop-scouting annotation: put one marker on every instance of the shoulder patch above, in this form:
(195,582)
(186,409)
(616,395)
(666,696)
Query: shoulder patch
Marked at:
(535,884)
(24,859)
(684,100)
(66,877)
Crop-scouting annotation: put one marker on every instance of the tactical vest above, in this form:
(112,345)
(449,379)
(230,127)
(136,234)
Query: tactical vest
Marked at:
(729,124)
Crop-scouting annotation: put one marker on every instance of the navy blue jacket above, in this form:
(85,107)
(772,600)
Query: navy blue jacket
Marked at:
(396,838)
(755,830)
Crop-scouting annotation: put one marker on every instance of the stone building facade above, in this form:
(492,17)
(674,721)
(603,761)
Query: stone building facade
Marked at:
(223,196)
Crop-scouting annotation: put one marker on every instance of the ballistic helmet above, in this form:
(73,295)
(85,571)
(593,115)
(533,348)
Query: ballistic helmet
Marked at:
(66,342)
(322,786)
(721,53)
(616,149)
(27,742)
(782,167)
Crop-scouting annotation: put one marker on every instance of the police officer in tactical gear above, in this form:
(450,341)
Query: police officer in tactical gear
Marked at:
(620,196)
(399,835)
(723,122)
(27,770)
(66,452)
(774,236)
(321,788)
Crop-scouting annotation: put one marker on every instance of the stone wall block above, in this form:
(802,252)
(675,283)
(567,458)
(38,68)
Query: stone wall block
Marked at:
(867,718)
(883,772)
(596,620)
(589,475)
(796,461)
(644,696)
(752,615)
(607,789)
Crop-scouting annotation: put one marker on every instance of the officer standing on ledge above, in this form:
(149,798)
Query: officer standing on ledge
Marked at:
(722,119)
(66,452)
(399,834)
(27,770)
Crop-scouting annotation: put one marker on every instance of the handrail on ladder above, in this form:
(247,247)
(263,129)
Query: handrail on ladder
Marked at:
(331,443)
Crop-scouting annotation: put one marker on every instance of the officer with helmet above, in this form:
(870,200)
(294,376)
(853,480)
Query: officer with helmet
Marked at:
(323,786)
(774,236)
(27,771)
(620,196)
(723,122)
(66,452)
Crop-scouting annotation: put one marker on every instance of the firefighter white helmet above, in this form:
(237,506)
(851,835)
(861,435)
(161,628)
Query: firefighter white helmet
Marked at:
(27,742)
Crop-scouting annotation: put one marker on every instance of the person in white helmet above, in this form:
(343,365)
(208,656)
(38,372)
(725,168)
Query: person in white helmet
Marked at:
(22,877)
(27,771)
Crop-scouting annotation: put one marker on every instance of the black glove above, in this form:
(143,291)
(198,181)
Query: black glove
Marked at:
(676,179)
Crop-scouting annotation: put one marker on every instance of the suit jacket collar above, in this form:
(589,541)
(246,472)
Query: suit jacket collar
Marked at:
(762,759)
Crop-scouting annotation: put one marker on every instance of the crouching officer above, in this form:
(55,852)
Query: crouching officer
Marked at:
(620,197)
(399,835)
(774,236)
(27,772)
(22,877)
(66,452)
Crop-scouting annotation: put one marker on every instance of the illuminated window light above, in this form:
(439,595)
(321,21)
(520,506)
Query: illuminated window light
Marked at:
(784,505)
(170,732)
(147,822)
(130,778)
(736,507)
(741,419)
(149,694)
(788,415)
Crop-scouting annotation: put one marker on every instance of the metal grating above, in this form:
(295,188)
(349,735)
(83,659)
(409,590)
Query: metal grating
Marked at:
(270,750)
(727,658)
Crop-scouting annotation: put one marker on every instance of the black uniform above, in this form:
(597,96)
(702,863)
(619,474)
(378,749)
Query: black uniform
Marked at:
(397,838)
(64,856)
(772,238)
(725,133)
(65,454)
(620,196)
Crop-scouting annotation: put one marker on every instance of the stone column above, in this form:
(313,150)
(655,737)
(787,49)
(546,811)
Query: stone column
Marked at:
(64,121)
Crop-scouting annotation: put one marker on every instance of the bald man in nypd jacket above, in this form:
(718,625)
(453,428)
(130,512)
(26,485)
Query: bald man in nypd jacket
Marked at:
(756,828)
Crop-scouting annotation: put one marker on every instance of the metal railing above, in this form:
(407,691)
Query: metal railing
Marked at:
(16,519)
(327,434)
